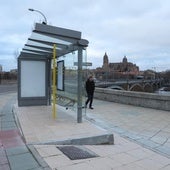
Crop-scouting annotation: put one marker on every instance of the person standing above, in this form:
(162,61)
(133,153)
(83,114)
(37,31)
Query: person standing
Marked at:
(90,87)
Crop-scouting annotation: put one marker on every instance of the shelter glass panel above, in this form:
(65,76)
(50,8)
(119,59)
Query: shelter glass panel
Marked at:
(68,96)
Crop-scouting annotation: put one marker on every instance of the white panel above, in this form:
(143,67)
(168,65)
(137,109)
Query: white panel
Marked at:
(32,78)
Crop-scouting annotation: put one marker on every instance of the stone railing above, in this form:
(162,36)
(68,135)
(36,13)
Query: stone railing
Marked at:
(149,100)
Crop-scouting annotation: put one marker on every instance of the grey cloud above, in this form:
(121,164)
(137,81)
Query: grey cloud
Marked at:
(139,29)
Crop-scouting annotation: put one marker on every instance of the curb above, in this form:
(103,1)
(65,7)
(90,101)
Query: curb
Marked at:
(106,139)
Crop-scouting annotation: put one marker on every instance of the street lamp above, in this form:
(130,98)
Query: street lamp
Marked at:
(45,19)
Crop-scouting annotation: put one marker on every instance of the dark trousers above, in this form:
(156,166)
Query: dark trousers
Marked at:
(89,99)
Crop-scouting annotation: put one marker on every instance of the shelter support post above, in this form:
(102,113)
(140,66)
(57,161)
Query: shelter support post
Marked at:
(79,88)
(54,82)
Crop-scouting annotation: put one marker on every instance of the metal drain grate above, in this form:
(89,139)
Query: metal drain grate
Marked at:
(75,153)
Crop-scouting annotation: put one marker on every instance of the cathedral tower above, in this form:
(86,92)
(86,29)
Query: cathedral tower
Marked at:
(105,61)
(125,60)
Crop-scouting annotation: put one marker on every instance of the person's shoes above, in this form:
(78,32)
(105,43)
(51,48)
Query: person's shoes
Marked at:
(91,108)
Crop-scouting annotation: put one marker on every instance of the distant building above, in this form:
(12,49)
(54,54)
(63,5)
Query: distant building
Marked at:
(14,71)
(118,70)
(123,66)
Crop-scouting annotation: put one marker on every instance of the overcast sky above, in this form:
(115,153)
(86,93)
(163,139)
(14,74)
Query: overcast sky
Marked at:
(138,29)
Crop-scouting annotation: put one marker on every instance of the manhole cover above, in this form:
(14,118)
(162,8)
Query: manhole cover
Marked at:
(74,153)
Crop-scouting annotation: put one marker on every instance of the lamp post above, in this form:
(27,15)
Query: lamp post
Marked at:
(45,19)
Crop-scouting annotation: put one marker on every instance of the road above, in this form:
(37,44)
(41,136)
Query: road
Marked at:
(5,88)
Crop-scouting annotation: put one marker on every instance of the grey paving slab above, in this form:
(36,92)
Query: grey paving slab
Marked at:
(159,139)
(23,161)
(119,130)
(148,143)
(164,149)
(8,124)
(8,118)
(3,160)
(2,152)
(131,135)
(3,157)
(5,167)
(9,127)
(17,150)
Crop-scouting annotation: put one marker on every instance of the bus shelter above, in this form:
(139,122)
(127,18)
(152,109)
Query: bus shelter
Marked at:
(35,65)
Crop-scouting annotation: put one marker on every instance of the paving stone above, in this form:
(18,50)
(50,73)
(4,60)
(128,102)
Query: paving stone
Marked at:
(8,123)
(11,138)
(39,168)
(22,162)
(132,136)
(3,160)
(17,150)
(119,130)
(8,117)
(165,150)
(2,152)
(9,127)
(148,143)
(4,167)
(158,139)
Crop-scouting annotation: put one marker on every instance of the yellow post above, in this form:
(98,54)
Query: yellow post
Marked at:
(54,81)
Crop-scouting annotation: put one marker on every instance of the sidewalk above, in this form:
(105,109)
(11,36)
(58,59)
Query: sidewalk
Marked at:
(14,153)
(148,127)
(41,132)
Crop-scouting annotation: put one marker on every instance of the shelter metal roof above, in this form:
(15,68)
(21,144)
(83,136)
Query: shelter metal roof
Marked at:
(43,38)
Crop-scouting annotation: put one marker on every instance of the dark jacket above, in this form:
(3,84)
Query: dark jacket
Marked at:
(90,87)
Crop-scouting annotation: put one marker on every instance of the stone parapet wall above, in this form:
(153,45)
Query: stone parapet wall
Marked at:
(149,100)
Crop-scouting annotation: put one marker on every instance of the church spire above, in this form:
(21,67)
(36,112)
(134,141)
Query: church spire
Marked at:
(124,59)
(105,61)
